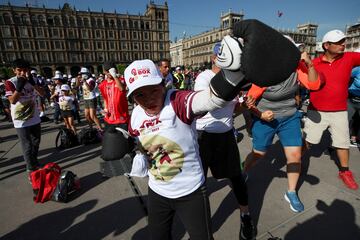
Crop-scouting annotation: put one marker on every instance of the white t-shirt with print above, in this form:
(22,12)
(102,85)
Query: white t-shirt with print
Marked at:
(219,120)
(170,143)
(24,112)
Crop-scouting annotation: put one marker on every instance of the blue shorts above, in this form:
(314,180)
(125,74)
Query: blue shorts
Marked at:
(287,129)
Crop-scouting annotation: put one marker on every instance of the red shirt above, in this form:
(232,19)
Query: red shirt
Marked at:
(116,103)
(332,96)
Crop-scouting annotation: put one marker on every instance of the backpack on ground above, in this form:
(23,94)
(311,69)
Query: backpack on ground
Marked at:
(44,182)
(68,183)
(89,136)
(65,138)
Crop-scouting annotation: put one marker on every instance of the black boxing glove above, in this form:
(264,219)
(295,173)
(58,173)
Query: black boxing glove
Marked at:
(20,84)
(31,80)
(267,58)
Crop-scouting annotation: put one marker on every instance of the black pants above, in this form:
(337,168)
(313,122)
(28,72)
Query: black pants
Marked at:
(30,140)
(220,153)
(57,112)
(193,211)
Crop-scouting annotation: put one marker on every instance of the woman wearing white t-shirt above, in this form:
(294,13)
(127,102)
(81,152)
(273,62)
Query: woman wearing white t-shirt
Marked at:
(66,104)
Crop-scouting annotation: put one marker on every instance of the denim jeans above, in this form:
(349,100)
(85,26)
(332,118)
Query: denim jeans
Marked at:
(30,140)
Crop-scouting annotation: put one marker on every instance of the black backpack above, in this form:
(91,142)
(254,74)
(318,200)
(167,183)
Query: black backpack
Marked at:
(65,138)
(89,136)
(68,183)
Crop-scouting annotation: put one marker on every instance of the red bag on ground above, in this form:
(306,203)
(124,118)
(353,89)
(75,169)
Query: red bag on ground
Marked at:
(44,182)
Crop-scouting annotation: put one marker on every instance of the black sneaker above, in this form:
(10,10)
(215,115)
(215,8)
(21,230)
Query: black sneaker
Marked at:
(247,228)
(353,143)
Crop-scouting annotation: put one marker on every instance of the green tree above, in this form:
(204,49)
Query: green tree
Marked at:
(121,68)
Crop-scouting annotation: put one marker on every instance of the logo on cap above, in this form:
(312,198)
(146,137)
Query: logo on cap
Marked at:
(136,73)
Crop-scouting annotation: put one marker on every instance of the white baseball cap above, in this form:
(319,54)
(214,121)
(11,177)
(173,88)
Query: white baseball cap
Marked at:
(65,87)
(178,68)
(58,77)
(141,73)
(333,36)
(33,72)
(84,70)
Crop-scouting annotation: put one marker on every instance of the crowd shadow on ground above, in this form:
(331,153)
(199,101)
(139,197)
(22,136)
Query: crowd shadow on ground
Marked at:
(336,221)
(113,219)
(66,158)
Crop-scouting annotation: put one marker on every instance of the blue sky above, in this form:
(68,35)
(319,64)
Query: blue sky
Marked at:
(196,16)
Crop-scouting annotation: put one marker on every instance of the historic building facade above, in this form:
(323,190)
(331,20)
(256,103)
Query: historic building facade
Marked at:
(353,37)
(67,38)
(197,50)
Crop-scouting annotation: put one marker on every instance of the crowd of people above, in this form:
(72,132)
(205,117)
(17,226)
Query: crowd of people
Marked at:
(182,122)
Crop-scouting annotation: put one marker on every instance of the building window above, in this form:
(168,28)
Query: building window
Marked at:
(147,25)
(146,46)
(135,46)
(111,34)
(44,57)
(7,18)
(73,57)
(86,45)
(112,23)
(84,33)
(146,35)
(57,45)
(73,46)
(99,22)
(39,32)
(111,45)
(23,32)
(59,57)
(25,19)
(136,24)
(34,20)
(142,26)
(100,56)
(86,22)
(161,46)
(28,56)
(10,57)
(123,35)
(88,57)
(41,20)
(99,45)
(71,33)
(55,32)
(17,19)
(57,21)
(72,22)
(25,44)
(42,44)
(134,35)
(123,45)
(8,44)
(161,36)
(50,21)
(98,34)
(160,25)
(6,32)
